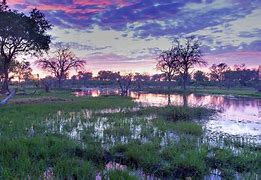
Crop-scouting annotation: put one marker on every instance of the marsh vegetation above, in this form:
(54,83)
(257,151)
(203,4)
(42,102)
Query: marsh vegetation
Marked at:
(116,138)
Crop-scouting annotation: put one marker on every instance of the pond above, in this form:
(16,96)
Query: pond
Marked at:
(236,116)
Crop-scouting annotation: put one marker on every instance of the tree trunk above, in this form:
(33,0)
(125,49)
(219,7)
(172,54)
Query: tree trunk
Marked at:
(10,96)
(185,101)
(59,83)
(5,86)
(169,83)
(185,82)
(169,100)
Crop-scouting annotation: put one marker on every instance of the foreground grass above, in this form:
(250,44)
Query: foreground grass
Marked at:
(77,137)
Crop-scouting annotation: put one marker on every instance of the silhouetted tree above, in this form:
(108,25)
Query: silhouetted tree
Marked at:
(60,65)
(125,83)
(157,77)
(47,82)
(82,75)
(23,71)
(217,72)
(21,34)
(187,51)
(168,64)
(108,75)
(200,77)
(240,75)
(139,78)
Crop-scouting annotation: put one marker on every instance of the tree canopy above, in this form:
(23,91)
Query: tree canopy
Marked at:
(21,34)
(61,63)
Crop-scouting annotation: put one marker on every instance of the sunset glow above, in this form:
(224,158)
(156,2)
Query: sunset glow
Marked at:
(127,36)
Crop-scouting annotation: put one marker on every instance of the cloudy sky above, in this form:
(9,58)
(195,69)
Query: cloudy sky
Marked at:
(127,35)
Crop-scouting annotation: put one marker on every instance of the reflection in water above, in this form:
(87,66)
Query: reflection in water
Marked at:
(94,92)
(237,116)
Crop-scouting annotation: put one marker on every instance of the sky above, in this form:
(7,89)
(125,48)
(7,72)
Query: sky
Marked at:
(127,35)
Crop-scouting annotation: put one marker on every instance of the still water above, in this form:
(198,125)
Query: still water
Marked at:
(236,116)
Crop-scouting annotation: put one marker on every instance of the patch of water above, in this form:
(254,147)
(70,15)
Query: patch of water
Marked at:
(237,116)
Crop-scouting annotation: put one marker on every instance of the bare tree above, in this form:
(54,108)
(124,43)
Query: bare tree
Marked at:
(21,34)
(187,51)
(60,65)
(168,63)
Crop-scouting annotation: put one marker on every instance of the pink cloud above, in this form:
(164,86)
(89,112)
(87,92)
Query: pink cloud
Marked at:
(71,8)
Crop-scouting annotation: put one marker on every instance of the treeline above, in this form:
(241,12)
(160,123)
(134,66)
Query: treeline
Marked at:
(220,75)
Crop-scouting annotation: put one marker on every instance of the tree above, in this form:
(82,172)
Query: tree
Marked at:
(241,75)
(187,51)
(1,69)
(200,77)
(139,78)
(63,61)
(22,71)
(217,72)
(21,34)
(108,75)
(157,77)
(47,82)
(86,76)
(125,83)
(168,63)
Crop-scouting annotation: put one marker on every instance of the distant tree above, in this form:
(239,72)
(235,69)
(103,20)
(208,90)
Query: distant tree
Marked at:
(139,78)
(179,79)
(47,83)
(23,71)
(124,82)
(217,72)
(108,76)
(157,77)
(187,51)
(73,80)
(241,75)
(86,76)
(168,63)
(200,77)
(21,34)
(63,61)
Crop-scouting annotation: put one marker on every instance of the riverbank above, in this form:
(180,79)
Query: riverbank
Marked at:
(236,92)
(108,136)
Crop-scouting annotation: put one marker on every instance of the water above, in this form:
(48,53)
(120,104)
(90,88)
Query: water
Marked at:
(236,116)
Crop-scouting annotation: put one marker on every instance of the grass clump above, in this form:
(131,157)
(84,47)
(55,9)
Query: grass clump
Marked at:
(120,175)
(22,158)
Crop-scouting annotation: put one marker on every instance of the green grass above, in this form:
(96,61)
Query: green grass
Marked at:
(237,92)
(120,175)
(76,139)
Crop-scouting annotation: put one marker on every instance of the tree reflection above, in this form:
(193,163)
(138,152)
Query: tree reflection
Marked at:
(185,100)
(169,100)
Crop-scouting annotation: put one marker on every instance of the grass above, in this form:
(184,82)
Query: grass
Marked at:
(76,138)
(120,175)
(237,92)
